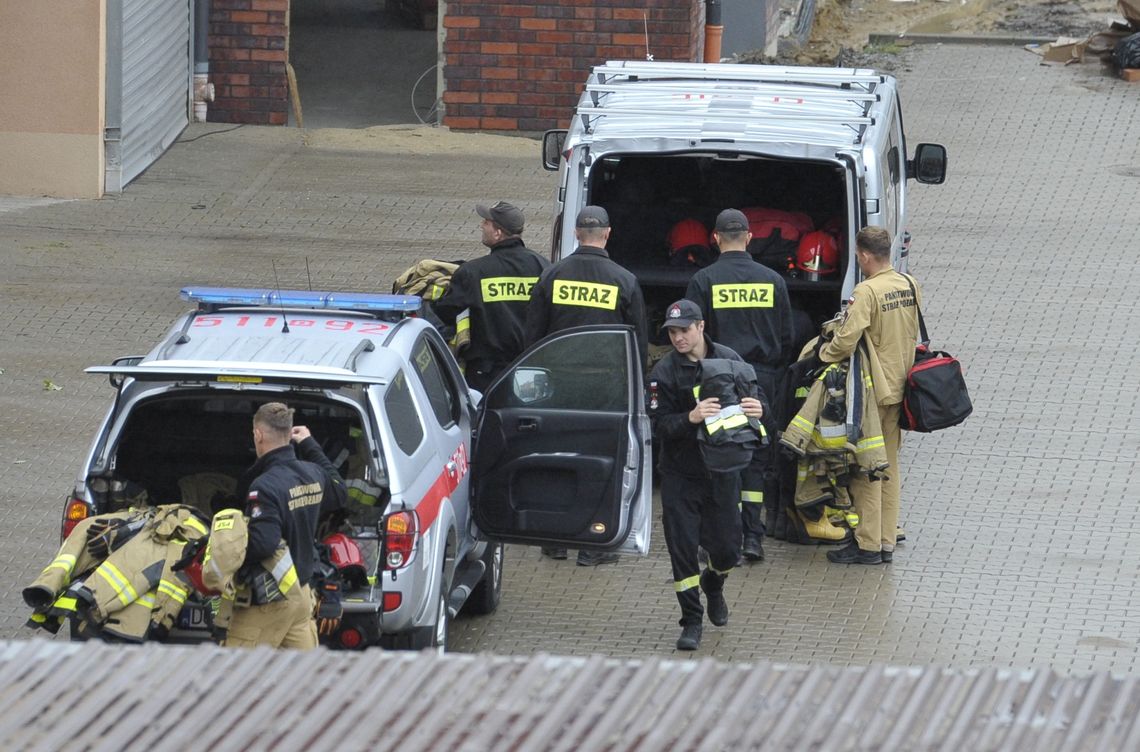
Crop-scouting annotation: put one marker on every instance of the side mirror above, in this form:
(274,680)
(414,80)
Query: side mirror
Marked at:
(532,385)
(552,143)
(928,165)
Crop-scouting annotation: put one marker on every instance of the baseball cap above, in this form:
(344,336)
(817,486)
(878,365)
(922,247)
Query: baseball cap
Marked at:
(682,314)
(731,220)
(593,216)
(507,216)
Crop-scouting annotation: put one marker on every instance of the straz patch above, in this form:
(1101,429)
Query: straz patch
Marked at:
(507,289)
(586,294)
(744,295)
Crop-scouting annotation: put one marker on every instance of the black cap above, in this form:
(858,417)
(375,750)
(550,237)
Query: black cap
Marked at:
(507,216)
(731,220)
(682,314)
(593,216)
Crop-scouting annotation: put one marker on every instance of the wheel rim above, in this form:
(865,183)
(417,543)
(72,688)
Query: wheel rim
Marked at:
(497,568)
(441,624)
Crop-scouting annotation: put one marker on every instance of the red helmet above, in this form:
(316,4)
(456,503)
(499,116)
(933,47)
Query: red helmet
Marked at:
(689,244)
(818,255)
(345,555)
(193,573)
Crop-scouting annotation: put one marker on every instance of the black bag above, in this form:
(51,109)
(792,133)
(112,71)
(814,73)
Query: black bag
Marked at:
(935,395)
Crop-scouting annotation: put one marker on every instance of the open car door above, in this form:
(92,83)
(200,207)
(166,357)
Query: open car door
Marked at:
(562,452)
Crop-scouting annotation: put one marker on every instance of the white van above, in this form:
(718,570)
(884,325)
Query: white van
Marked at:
(798,149)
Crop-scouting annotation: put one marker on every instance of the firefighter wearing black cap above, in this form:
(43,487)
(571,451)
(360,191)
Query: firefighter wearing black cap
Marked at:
(586,287)
(698,507)
(746,308)
(494,291)
(284,502)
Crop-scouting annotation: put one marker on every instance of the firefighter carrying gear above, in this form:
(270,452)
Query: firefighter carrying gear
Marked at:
(427,278)
(836,435)
(730,439)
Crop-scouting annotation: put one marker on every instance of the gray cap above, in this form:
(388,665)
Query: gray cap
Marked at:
(682,314)
(593,216)
(507,216)
(731,220)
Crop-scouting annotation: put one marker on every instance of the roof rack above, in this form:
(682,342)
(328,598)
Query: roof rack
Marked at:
(772,74)
(751,93)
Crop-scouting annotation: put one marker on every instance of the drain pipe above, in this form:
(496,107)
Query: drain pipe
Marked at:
(714,30)
(203,89)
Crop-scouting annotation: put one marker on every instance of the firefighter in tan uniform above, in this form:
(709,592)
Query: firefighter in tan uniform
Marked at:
(882,308)
(284,502)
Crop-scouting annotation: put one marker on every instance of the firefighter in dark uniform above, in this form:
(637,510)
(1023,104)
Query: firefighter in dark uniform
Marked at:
(494,291)
(587,287)
(698,507)
(746,308)
(285,500)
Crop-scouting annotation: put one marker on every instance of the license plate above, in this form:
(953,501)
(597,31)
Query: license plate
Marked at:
(193,616)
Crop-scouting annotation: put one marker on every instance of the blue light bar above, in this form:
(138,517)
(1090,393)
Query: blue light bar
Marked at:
(341,301)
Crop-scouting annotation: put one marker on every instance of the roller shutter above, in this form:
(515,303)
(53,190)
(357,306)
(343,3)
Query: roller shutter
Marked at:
(154,83)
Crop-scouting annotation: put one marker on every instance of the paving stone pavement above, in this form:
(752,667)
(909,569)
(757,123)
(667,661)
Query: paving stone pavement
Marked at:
(1021,545)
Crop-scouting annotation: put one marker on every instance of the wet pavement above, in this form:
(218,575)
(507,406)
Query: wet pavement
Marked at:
(1021,546)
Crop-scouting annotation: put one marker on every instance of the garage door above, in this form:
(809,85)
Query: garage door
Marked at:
(149,94)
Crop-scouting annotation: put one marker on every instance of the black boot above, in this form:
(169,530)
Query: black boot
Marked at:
(690,638)
(852,554)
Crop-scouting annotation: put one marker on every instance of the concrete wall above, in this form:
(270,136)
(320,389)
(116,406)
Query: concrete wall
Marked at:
(52,80)
(521,65)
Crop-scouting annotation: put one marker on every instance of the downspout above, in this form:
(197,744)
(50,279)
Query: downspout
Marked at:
(714,30)
(203,89)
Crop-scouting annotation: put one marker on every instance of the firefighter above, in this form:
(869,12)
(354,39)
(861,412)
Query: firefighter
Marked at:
(586,287)
(883,313)
(698,507)
(494,291)
(746,308)
(285,499)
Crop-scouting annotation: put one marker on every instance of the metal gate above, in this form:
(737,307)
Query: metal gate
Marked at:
(149,83)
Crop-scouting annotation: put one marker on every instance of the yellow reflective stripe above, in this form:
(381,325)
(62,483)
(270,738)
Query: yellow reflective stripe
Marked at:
(826,371)
(436,291)
(719,571)
(65,603)
(192,522)
(462,322)
(286,584)
(120,584)
(570,292)
(147,600)
(752,497)
(687,584)
(733,421)
(498,289)
(744,295)
(66,562)
(802,423)
(173,590)
(802,391)
(38,618)
(872,442)
(285,573)
(837,442)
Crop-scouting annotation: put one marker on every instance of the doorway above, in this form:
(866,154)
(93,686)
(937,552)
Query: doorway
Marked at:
(361,63)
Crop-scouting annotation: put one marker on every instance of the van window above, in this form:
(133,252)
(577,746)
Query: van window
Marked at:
(400,408)
(441,392)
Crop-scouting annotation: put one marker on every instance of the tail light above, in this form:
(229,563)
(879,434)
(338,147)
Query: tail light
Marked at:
(400,532)
(392,601)
(350,638)
(77,511)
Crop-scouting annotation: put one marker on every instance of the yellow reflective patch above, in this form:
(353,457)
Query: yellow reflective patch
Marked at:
(288,581)
(586,294)
(226,523)
(239,379)
(744,295)
(462,324)
(752,497)
(503,289)
(687,584)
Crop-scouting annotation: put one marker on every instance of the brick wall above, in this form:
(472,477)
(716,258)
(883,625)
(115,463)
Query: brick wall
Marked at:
(521,65)
(247,61)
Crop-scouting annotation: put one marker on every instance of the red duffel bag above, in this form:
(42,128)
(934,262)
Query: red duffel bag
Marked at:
(935,394)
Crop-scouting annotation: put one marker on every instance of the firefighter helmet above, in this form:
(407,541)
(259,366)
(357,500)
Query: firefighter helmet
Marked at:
(345,555)
(817,256)
(689,244)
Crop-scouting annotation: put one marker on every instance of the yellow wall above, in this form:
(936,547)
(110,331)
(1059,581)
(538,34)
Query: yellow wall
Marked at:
(52,79)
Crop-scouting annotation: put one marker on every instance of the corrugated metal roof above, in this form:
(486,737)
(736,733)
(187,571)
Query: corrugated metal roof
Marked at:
(102,697)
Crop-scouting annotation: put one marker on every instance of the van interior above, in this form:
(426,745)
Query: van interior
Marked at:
(648,196)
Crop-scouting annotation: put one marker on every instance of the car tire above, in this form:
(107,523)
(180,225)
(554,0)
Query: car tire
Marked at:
(487,594)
